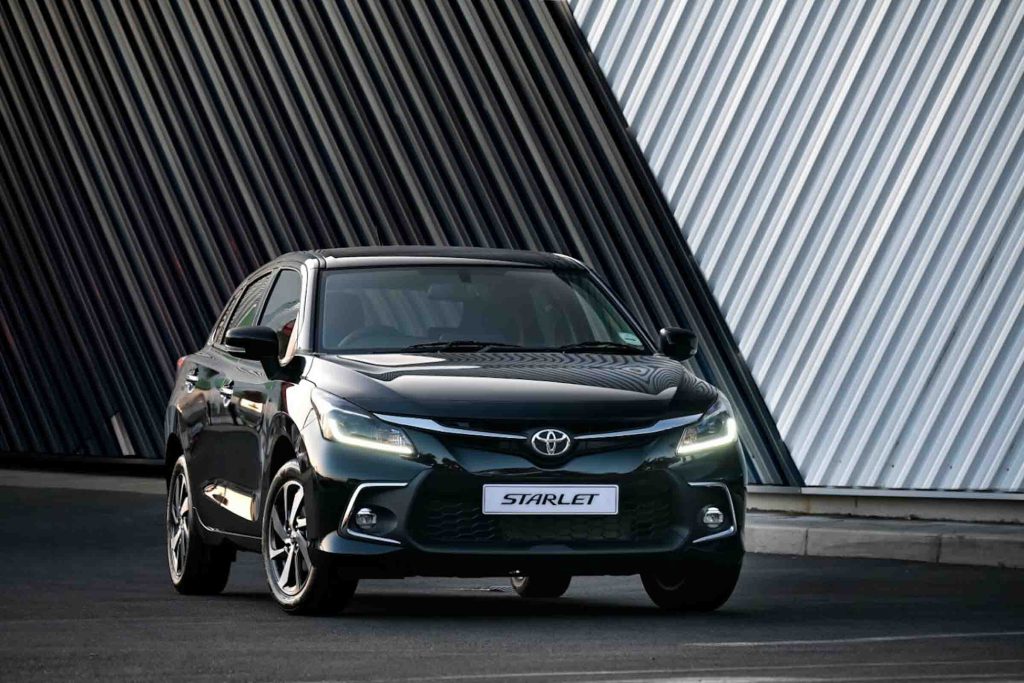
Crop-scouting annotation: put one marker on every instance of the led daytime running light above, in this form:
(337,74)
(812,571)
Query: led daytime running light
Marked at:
(730,437)
(376,445)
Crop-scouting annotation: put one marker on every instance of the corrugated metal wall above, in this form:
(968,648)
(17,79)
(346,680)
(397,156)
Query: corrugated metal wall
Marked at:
(153,153)
(850,176)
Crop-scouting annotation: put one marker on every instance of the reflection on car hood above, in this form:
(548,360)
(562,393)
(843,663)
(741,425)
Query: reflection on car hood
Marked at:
(515,385)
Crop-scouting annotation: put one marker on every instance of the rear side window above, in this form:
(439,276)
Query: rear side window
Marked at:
(249,305)
(283,307)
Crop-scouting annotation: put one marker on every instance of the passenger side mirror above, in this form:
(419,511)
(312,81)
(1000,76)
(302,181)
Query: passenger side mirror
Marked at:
(255,343)
(678,343)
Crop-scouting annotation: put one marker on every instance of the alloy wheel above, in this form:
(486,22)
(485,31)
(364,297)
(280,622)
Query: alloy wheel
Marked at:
(288,547)
(179,510)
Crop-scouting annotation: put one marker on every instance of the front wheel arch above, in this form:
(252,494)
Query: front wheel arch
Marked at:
(284,442)
(284,445)
(172,451)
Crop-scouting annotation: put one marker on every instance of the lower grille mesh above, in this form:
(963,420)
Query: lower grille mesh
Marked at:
(456,518)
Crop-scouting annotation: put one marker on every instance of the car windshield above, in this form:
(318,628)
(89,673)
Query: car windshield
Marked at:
(468,308)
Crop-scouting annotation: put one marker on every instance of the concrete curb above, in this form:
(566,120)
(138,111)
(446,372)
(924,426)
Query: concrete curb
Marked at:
(989,507)
(991,545)
(43,479)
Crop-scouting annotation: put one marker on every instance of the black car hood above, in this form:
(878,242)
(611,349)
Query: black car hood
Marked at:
(515,385)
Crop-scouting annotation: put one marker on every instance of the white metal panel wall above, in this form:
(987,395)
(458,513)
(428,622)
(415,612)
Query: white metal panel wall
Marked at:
(850,176)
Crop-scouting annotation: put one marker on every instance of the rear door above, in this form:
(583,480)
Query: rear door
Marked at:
(227,467)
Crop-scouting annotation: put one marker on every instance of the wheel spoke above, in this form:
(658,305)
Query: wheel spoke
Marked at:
(178,550)
(180,494)
(286,570)
(186,506)
(277,525)
(173,502)
(303,544)
(300,523)
(296,502)
(276,552)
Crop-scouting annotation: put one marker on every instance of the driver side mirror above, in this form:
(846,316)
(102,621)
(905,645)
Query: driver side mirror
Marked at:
(678,343)
(254,343)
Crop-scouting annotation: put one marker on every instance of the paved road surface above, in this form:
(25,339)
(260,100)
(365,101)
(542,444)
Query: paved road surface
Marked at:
(84,593)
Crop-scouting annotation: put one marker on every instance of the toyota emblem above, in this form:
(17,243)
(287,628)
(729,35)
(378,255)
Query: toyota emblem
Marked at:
(550,442)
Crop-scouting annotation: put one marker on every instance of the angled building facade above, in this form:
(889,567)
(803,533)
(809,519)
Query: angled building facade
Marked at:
(850,179)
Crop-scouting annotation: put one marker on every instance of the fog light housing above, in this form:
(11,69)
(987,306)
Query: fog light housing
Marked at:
(712,517)
(366,519)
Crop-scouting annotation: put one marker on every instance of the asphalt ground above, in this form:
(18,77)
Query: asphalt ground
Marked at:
(84,593)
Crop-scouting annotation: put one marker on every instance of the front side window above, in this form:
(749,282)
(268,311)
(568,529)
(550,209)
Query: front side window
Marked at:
(283,308)
(392,309)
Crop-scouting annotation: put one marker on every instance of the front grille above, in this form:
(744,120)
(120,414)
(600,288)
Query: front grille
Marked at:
(455,517)
(522,447)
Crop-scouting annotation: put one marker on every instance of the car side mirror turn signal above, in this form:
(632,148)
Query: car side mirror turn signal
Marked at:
(678,343)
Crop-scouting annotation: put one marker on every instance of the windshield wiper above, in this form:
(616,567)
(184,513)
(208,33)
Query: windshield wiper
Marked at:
(460,345)
(595,346)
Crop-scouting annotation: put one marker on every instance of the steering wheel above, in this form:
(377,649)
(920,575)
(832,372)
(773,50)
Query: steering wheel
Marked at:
(367,332)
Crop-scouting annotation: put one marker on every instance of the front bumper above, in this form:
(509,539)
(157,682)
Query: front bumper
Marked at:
(361,560)
(430,521)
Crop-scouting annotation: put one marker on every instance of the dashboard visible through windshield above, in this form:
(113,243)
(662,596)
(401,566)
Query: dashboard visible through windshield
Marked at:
(468,308)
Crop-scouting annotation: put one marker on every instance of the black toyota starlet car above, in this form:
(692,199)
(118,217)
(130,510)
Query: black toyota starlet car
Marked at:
(391,412)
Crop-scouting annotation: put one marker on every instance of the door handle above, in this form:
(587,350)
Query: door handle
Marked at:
(191,379)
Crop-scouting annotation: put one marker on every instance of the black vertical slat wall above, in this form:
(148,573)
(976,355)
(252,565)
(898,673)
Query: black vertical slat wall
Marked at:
(154,152)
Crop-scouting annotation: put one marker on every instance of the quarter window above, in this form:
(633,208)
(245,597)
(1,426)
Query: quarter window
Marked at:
(222,321)
(249,305)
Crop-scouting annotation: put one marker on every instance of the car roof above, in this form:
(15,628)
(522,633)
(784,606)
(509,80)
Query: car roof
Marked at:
(418,255)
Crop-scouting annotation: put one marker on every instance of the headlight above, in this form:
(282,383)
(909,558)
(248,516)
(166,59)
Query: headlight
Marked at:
(345,423)
(716,429)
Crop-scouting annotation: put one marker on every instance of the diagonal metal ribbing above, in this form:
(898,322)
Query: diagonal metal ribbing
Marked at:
(154,153)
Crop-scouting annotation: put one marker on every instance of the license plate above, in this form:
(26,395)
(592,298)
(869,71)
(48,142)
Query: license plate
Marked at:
(550,499)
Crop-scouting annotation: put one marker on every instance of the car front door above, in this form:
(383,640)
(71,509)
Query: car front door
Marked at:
(256,398)
(227,467)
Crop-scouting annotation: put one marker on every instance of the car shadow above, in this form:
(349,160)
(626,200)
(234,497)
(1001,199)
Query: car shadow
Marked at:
(488,605)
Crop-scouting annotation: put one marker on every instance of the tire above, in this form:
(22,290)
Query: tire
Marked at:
(196,568)
(300,582)
(695,587)
(541,585)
